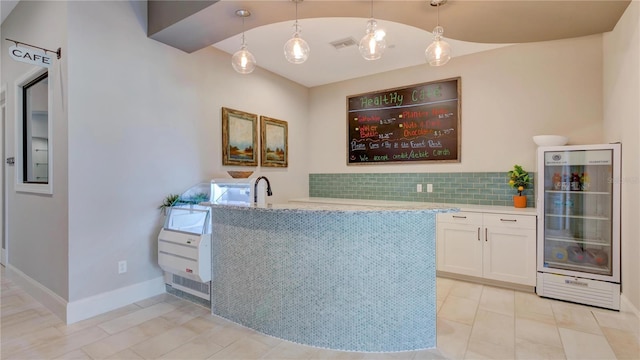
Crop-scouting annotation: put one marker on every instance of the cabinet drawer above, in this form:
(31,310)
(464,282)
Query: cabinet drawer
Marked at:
(510,221)
(187,252)
(460,218)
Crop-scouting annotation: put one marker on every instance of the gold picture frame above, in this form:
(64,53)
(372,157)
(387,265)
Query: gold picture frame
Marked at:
(273,142)
(239,138)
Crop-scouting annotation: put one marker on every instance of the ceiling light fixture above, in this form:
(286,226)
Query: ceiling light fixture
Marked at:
(243,61)
(372,45)
(296,50)
(439,52)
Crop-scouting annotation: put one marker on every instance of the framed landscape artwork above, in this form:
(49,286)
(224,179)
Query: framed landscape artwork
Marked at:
(239,138)
(273,140)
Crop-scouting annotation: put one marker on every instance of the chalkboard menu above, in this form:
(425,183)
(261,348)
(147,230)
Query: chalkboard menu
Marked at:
(418,123)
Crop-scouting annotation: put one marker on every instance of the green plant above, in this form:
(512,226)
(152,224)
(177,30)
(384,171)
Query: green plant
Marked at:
(196,198)
(168,202)
(519,178)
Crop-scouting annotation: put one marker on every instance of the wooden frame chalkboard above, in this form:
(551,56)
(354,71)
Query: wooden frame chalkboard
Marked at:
(418,123)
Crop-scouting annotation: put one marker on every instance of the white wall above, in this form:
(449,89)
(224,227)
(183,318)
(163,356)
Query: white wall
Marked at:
(37,224)
(145,121)
(622,123)
(508,95)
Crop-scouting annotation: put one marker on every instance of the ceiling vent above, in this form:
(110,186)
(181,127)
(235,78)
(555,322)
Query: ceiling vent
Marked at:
(343,43)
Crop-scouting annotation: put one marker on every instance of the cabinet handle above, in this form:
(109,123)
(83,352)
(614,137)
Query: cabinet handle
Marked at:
(486,237)
(509,220)
(459,217)
(478,233)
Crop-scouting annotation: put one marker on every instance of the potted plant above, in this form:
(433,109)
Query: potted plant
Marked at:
(520,180)
(168,202)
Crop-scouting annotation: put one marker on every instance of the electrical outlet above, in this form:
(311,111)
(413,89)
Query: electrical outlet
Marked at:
(122,267)
(419,188)
(429,187)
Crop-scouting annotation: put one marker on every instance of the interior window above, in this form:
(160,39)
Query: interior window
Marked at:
(35,130)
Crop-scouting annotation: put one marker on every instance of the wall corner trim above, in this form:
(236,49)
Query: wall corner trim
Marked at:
(627,305)
(39,292)
(101,303)
(82,309)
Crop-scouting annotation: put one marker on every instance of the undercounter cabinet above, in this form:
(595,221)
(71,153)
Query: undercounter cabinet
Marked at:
(487,247)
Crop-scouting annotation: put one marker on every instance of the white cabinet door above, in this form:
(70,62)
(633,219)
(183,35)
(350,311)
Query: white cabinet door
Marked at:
(509,252)
(491,246)
(459,243)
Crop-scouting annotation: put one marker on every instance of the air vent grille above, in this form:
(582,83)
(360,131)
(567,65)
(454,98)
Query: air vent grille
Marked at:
(191,284)
(343,43)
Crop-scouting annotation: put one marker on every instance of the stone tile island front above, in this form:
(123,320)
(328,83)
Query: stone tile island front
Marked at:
(343,277)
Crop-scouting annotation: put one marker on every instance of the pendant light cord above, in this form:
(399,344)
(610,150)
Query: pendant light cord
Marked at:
(243,43)
(297,29)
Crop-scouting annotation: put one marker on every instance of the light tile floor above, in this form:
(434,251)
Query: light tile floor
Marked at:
(474,322)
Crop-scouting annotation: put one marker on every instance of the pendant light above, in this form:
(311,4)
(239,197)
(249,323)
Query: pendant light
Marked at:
(372,45)
(243,61)
(439,52)
(296,50)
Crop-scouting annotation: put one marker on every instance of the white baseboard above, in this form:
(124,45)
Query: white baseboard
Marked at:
(98,304)
(39,292)
(627,305)
(82,309)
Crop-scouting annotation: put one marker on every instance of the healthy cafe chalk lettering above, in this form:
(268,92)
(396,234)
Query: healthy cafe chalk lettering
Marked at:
(389,99)
(417,123)
(30,56)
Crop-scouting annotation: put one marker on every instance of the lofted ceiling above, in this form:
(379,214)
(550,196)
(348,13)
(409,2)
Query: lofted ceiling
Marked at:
(470,26)
(6,7)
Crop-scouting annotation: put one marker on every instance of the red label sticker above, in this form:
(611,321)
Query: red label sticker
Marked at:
(189,270)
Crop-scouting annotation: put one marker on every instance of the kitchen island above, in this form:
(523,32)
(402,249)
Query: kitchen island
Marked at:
(344,277)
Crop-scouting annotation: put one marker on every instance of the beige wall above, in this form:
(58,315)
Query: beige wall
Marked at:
(135,120)
(37,224)
(622,123)
(145,121)
(508,95)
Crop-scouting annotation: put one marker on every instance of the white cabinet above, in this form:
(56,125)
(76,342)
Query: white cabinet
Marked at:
(459,244)
(491,246)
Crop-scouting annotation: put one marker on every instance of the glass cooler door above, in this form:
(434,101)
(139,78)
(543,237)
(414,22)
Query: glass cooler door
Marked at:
(578,211)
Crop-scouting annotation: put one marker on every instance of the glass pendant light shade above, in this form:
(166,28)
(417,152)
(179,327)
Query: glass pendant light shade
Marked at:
(296,50)
(372,45)
(439,52)
(243,61)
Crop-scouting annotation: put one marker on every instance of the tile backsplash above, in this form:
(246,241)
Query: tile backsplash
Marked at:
(481,188)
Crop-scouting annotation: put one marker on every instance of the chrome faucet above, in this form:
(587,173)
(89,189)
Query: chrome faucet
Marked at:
(255,188)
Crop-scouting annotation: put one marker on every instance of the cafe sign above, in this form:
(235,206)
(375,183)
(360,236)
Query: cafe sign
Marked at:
(30,56)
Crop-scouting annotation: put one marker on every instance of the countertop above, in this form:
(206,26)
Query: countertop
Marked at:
(405,205)
(335,204)
(314,204)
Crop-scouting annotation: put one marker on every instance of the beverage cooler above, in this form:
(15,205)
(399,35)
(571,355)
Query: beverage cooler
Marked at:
(578,190)
(184,242)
